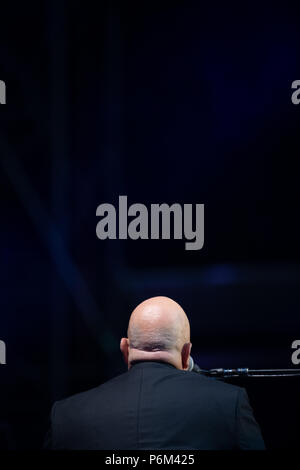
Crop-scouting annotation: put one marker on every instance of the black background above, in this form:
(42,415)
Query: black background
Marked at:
(162,102)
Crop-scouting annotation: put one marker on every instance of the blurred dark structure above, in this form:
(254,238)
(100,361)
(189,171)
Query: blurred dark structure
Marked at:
(163,103)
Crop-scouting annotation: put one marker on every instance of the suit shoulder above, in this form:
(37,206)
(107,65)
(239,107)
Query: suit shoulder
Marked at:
(85,397)
(213,383)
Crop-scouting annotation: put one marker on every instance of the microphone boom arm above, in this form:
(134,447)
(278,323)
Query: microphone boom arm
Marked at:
(242,372)
(245,372)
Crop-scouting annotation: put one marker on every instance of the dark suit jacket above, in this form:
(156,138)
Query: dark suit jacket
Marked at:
(156,406)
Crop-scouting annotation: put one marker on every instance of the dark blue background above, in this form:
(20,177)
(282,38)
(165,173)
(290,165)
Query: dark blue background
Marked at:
(163,102)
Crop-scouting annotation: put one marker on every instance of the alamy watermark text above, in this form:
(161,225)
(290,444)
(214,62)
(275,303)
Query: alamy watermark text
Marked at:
(188,222)
(2,92)
(2,352)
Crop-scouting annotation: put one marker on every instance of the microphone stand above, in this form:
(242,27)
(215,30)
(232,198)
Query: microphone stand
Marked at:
(245,372)
(242,372)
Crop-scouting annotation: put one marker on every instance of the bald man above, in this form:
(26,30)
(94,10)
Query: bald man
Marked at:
(158,330)
(158,403)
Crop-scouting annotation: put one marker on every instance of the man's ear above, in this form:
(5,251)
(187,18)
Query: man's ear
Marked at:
(124,346)
(185,355)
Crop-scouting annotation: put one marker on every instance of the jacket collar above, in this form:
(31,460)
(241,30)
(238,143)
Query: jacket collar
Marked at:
(146,363)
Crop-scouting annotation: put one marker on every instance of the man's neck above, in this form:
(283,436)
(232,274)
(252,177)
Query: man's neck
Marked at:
(161,356)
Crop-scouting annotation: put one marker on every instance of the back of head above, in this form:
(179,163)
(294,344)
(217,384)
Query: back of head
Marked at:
(158,330)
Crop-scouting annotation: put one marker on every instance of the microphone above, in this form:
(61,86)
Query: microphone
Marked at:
(194,367)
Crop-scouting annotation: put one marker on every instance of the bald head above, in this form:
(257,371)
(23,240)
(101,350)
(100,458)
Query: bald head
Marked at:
(158,329)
